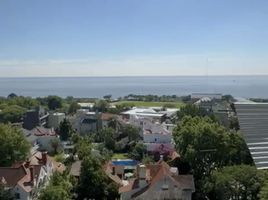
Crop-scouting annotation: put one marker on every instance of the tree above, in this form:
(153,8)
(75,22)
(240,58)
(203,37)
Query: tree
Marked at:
(5,194)
(12,114)
(263,195)
(55,145)
(54,193)
(54,102)
(101,105)
(191,110)
(14,147)
(206,146)
(65,130)
(12,95)
(109,138)
(94,184)
(235,182)
(74,106)
(138,151)
(107,97)
(131,132)
(59,188)
(83,147)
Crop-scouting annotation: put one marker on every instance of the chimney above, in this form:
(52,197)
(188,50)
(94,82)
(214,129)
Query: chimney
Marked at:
(44,158)
(27,163)
(32,174)
(142,175)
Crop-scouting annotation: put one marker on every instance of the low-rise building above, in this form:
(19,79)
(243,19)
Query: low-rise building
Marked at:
(158,181)
(34,118)
(25,180)
(54,120)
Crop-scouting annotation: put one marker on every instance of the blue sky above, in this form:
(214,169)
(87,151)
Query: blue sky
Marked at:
(133,37)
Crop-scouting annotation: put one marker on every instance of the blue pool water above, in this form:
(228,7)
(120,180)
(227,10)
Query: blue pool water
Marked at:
(125,162)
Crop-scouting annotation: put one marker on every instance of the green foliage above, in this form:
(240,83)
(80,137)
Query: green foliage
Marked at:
(14,146)
(54,102)
(94,184)
(101,106)
(191,110)
(263,195)
(147,160)
(206,145)
(235,182)
(137,152)
(234,123)
(74,106)
(5,194)
(56,146)
(83,147)
(131,132)
(59,188)
(65,130)
(12,114)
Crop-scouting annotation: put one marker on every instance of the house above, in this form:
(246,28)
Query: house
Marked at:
(106,118)
(25,180)
(40,138)
(36,117)
(54,120)
(158,181)
(148,113)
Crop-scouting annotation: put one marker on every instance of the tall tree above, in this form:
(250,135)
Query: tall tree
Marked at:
(59,188)
(94,184)
(206,146)
(5,194)
(65,130)
(14,146)
(191,110)
(54,102)
(74,106)
(12,114)
(235,182)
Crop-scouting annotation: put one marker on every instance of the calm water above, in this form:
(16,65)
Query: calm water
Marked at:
(239,86)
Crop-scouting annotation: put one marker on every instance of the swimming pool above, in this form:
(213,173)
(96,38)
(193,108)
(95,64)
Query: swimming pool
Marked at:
(127,162)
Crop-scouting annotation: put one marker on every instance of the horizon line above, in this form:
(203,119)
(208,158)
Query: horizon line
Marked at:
(135,76)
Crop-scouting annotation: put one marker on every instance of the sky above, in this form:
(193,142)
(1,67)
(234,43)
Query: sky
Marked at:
(133,37)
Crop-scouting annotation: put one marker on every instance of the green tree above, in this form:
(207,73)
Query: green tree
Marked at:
(59,188)
(206,146)
(191,110)
(74,106)
(263,195)
(94,183)
(5,194)
(131,132)
(12,114)
(56,146)
(14,146)
(54,193)
(109,138)
(65,130)
(235,182)
(101,105)
(83,147)
(137,152)
(54,102)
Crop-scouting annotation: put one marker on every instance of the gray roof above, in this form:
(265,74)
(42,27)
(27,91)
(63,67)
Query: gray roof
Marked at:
(253,120)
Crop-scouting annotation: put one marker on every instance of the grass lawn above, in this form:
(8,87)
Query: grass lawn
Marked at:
(176,104)
(120,156)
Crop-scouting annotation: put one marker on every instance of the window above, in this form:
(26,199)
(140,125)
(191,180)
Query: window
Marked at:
(17,195)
